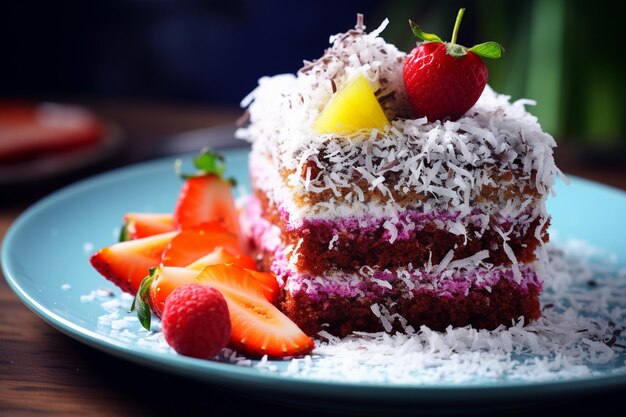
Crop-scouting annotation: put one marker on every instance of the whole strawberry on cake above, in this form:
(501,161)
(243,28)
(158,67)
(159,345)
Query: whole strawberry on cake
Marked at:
(394,190)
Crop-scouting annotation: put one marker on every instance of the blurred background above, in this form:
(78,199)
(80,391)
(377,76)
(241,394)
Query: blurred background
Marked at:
(155,68)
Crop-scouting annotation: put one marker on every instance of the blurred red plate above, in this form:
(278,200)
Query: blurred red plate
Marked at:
(38,140)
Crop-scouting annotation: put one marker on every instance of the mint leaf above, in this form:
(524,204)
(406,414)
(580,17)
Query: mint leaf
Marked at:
(488,50)
(428,37)
(140,303)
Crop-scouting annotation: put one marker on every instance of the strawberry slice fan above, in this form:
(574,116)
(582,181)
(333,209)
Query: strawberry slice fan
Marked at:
(205,219)
(445,79)
(199,244)
(257,327)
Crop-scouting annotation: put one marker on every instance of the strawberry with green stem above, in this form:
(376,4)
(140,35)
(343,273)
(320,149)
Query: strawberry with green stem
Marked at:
(445,79)
(206,196)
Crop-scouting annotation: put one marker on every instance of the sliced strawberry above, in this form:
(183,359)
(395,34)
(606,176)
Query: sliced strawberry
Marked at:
(221,255)
(224,256)
(258,327)
(268,282)
(166,280)
(194,243)
(204,199)
(127,263)
(139,225)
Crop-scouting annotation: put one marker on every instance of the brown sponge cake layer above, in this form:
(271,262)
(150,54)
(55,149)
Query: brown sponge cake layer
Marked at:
(340,316)
(349,243)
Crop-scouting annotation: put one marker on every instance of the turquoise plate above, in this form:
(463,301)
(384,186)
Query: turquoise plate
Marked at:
(45,260)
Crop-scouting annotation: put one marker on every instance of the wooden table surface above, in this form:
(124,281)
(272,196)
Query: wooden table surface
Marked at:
(45,373)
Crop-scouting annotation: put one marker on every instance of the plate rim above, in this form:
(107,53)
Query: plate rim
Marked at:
(250,377)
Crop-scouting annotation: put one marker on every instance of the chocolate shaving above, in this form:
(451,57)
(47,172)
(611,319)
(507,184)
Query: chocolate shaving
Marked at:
(359,22)
(243,119)
(386,97)
(332,83)
(611,341)
(307,66)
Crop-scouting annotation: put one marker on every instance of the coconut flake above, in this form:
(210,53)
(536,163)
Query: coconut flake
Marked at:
(332,242)
(444,262)
(392,229)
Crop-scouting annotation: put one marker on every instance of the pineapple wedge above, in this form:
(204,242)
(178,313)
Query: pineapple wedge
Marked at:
(351,109)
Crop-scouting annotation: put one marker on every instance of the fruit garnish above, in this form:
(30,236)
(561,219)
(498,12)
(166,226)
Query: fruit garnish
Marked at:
(206,196)
(141,302)
(258,327)
(351,109)
(444,80)
(268,283)
(139,225)
(164,280)
(127,263)
(193,243)
(196,321)
(221,255)
(224,256)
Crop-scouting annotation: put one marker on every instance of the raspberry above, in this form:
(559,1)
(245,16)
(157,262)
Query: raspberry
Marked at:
(196,321)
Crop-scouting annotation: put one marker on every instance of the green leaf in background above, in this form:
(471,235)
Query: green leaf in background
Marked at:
(418,32)
(488,50)
(545,82)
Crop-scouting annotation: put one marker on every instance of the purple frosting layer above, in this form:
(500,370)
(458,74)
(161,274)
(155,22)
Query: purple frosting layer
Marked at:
(449,283)
(407,223)
(376,283)
(366,225)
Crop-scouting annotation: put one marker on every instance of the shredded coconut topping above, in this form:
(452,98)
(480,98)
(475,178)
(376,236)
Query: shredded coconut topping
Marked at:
(448,162)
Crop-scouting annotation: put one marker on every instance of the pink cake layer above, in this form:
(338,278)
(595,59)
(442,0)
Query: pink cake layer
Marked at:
(405,282)
(412,238)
